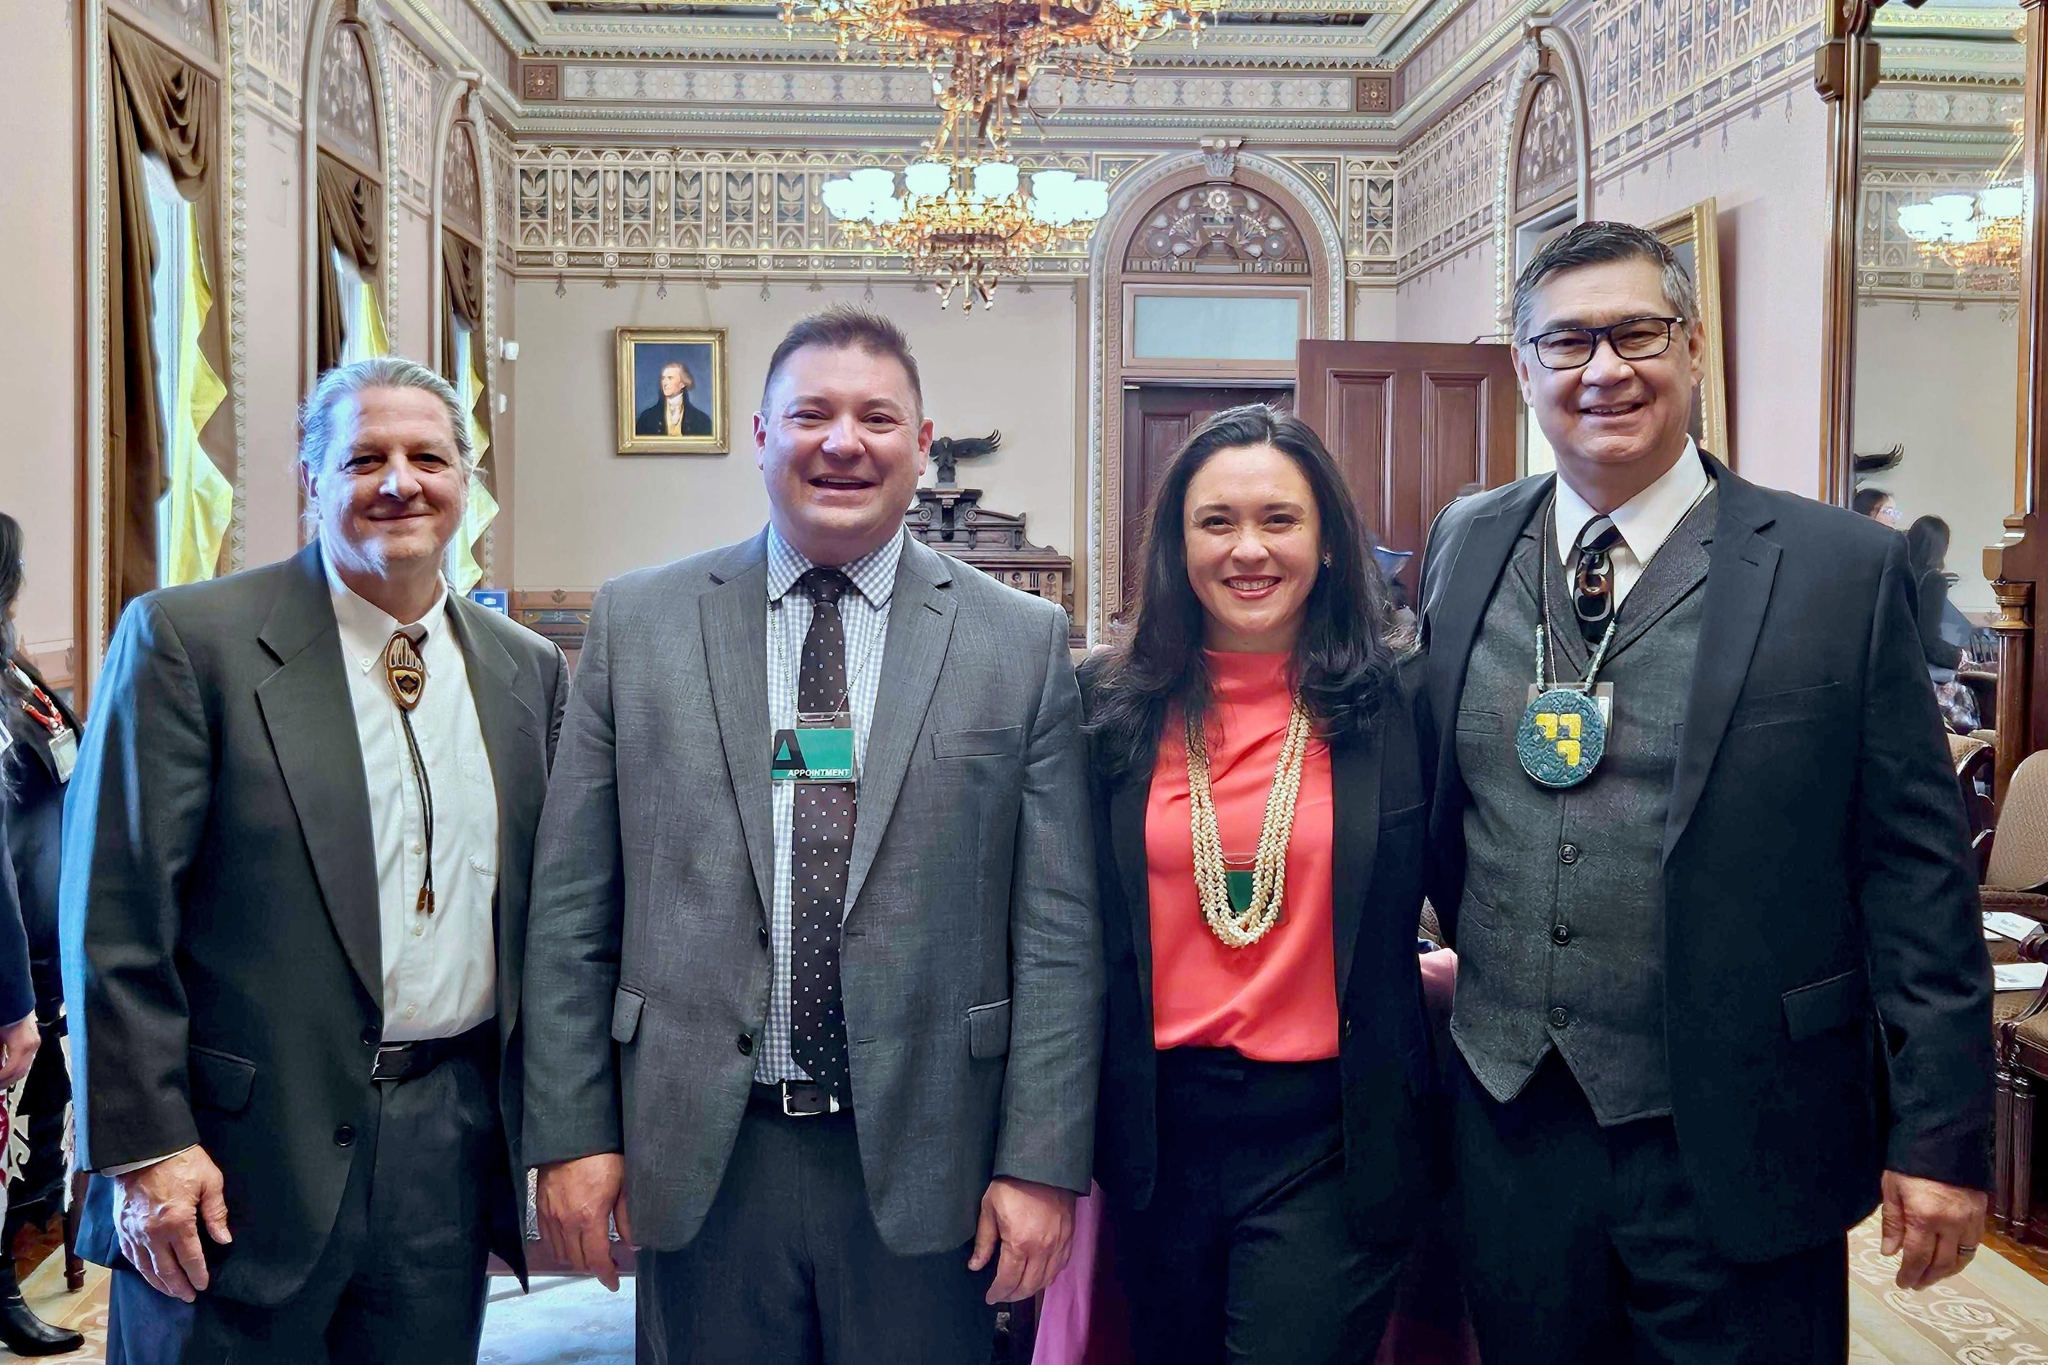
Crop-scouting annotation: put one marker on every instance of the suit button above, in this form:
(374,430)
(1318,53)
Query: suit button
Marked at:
(1347,1028)
(746,1045)
(1560,934)
(762,934)
(344,1135)
(1568,854)
(369,1037)
(1558,1017)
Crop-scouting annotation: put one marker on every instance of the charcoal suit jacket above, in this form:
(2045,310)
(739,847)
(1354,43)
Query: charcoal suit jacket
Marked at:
(1827,1009)
(219,914)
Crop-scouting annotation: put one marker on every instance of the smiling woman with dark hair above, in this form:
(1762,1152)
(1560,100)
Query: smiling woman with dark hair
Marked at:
(1258,800)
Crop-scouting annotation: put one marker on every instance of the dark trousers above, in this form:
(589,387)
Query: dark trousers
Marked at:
(788,1268)
(1245,1252)
(1583,1245)
(402,1280)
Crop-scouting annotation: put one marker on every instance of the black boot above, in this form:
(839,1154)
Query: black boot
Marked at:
(21,1331)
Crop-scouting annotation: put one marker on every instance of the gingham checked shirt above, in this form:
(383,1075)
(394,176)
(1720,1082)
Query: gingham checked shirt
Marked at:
(864,613)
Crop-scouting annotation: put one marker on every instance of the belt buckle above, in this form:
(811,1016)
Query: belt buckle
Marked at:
(789,1092)
(401,1055)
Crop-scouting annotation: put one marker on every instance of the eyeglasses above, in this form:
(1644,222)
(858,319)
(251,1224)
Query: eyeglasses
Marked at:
(1569,348)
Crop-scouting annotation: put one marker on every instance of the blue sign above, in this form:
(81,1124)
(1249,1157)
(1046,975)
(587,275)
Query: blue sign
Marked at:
(498,600)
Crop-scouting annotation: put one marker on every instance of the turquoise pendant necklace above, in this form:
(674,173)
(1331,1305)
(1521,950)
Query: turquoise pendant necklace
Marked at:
(1563,734)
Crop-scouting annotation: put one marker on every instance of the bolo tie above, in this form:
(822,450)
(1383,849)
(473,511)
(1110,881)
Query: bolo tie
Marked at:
(406,671)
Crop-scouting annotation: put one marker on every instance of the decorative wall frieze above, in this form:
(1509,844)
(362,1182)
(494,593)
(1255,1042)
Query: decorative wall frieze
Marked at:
(414,96)
(1368,216)
(276,33)
(1444,191)
(1889,264)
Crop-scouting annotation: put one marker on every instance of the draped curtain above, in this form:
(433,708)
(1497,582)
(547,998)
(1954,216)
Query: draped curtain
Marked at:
(351,210)
(462,275)
(462,365)
(167,107)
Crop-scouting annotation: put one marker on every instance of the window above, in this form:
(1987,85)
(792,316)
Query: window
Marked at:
(1217,326)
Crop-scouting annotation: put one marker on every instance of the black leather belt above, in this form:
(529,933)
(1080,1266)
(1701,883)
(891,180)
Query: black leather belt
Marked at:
(797,1099)
(403,1061)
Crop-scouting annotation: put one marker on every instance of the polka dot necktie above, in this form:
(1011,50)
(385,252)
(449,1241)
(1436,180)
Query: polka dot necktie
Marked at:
(820,856)
(1593,578)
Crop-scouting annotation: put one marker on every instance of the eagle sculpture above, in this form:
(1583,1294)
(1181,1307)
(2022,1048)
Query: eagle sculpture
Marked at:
(948,449)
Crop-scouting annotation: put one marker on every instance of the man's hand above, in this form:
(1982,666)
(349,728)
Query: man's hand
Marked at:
(578,1201)
(157,1211)
(1034,1224)
(18,1044)
(1937,1225)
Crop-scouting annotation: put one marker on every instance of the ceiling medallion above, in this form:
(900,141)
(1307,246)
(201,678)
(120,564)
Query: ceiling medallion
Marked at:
(964,220)
(984,54)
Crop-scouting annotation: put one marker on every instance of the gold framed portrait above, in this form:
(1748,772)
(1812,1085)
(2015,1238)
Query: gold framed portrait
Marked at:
(1691,234)
(672,391)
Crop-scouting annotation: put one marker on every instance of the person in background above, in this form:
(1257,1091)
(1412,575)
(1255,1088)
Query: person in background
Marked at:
(38,744)
(1943,628)
(1878,505)
(1258,799)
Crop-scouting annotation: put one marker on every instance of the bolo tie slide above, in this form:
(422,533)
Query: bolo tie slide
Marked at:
(406,672)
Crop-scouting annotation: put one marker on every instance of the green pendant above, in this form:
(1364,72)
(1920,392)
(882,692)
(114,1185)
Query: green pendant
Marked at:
(1240,884)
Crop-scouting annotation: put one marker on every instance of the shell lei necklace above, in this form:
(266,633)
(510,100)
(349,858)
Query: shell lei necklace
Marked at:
(1240,921)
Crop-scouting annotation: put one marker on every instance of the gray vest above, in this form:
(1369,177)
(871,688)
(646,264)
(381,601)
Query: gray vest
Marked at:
(1561,930)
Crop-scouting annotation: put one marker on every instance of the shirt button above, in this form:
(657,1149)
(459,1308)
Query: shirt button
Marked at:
(344,1136)
(419,931)
(414,847)
(746,1045)
(411,1010)
(1568,854)
(1560,934)
(1558,1017)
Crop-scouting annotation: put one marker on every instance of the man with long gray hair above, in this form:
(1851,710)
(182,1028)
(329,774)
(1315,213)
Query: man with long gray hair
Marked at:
(293,914)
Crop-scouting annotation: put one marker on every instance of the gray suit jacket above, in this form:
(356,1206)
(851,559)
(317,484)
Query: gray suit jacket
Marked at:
(972,958)
(218,904)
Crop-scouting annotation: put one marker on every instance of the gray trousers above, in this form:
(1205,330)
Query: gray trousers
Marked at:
(789,1269)
(402,1280)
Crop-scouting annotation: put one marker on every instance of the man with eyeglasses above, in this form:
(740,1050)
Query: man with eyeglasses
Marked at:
(1722,989)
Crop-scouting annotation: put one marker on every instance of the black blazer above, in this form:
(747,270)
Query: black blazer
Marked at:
(17,993)
(654,422)
(35,827)
(1379,796)
(218,908)
(1828,995)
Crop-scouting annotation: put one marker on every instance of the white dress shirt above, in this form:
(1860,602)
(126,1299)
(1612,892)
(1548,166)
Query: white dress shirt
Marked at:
(1645,521)
(864,618)
(440,970)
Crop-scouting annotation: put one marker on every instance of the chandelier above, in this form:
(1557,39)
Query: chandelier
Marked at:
(1976,235)
(966,222)
(992,49)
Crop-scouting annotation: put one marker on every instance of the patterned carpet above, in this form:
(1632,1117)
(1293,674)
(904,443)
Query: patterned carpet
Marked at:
(1994,1314)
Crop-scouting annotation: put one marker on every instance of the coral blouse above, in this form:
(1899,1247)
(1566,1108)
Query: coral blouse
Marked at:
(1275,1001)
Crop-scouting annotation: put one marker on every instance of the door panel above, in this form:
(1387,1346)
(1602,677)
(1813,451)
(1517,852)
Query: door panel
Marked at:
(1411,423)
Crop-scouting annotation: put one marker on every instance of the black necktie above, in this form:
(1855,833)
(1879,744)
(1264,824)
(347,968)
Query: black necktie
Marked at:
(1593,578)
(820,855)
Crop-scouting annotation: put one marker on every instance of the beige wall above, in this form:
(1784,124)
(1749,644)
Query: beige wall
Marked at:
(271,370)
(1451,301)
(1946,386)
(586,513)
(40,386)
(1768,176)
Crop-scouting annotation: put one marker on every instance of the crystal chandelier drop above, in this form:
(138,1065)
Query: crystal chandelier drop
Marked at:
(1976,235)
(984,54)
(964,220)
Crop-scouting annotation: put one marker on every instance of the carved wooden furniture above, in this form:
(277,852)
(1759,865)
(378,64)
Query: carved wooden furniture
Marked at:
(557,613)
(2018,867)
(953,521)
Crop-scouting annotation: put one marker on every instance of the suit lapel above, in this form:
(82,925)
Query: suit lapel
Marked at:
(1355,819)
(504,716)
(312,725)
(920,625)
(1742,567)
(734,618)
(1454,619)
(1127,803)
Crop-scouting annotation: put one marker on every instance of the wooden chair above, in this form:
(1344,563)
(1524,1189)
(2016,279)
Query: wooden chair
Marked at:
(1975,762)
(2015,873)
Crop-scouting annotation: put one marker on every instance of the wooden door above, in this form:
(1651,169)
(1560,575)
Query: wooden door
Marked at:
(1411,423)
(1158,419)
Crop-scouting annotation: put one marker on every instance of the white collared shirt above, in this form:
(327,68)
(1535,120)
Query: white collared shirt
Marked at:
(440,970)
(1645,521)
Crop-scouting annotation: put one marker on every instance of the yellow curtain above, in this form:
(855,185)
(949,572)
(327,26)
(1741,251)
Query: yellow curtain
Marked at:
(198,500)
(463,570)
(375,341)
